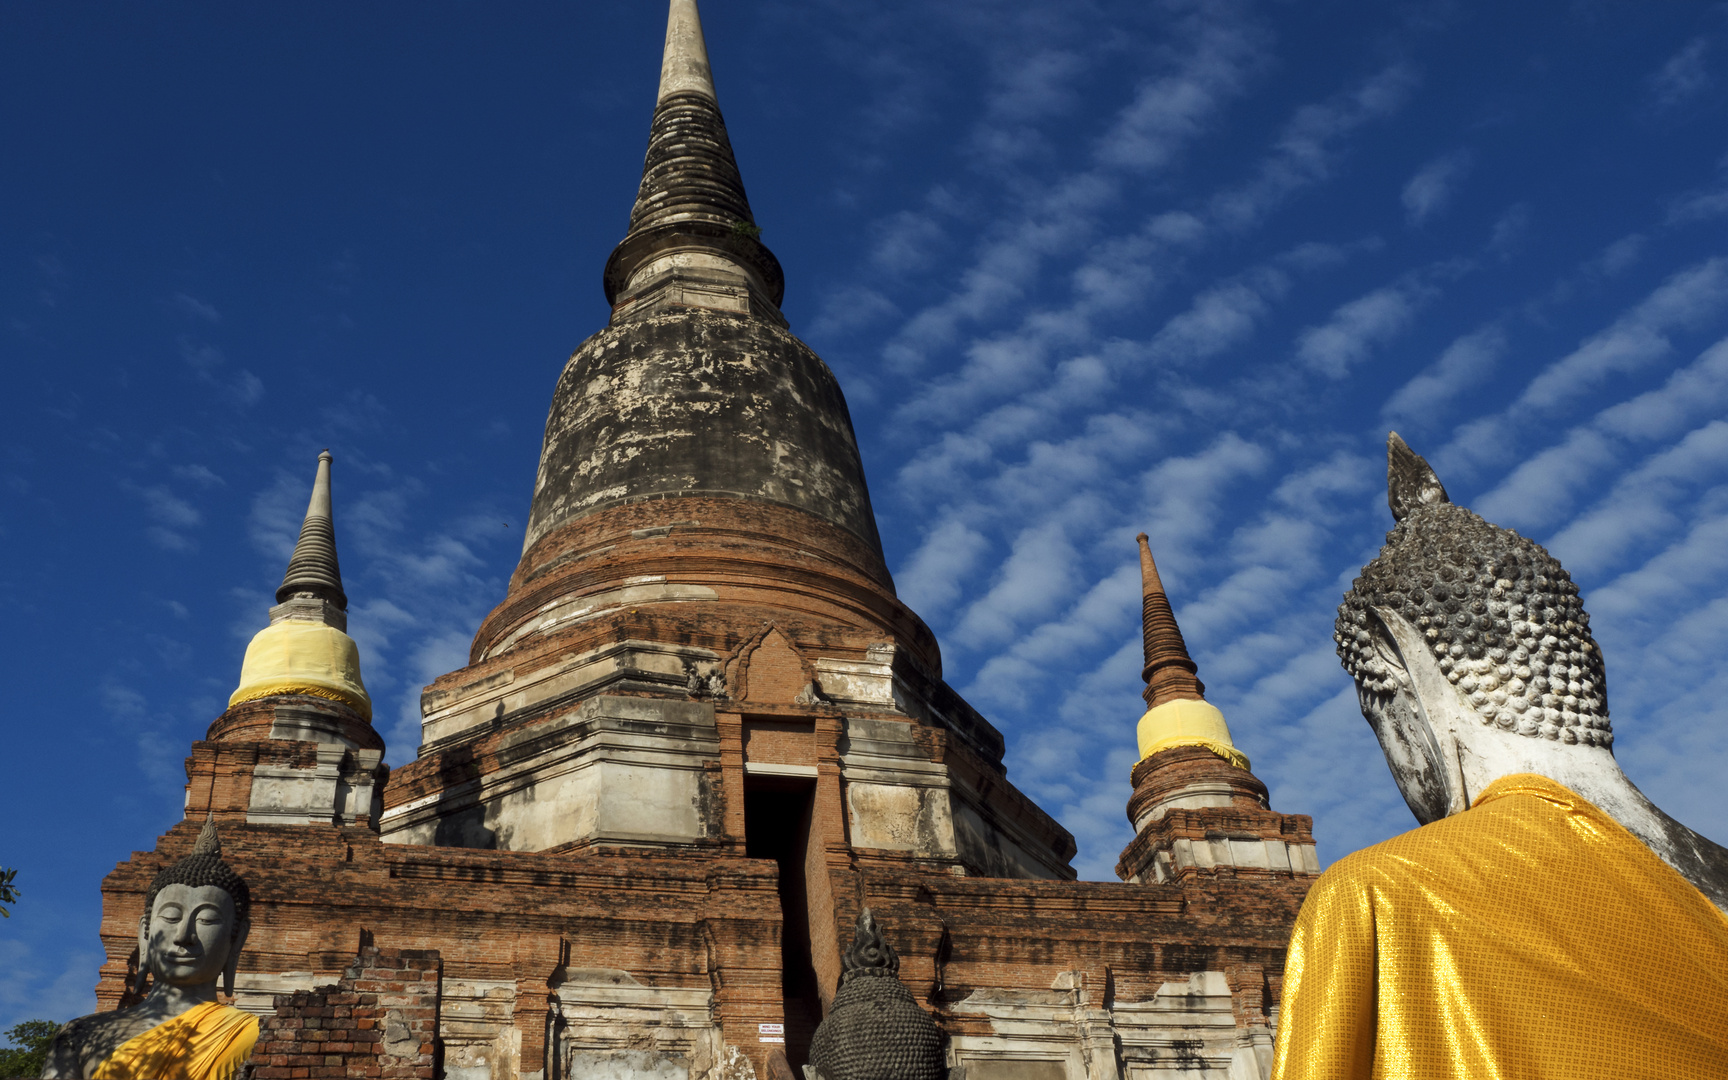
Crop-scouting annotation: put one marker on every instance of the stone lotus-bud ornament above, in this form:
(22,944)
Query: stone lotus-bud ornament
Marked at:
(196,918)
(874,1029)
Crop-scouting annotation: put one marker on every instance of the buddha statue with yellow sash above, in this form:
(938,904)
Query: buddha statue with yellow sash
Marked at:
(191,933)
(1546,919)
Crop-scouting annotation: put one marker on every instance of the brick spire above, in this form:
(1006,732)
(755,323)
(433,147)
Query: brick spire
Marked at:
(312,571)
(691,200)
(1169,672)
(1191,784)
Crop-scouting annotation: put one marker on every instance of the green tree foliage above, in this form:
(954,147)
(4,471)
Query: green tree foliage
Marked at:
(8,891)
(29,1049)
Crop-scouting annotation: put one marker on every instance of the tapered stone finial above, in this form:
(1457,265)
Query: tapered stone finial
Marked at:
(313,571)
(692,237)
(684,67)
(1170,673)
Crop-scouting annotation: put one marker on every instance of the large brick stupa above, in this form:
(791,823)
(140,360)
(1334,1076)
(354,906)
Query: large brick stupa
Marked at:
(701,733)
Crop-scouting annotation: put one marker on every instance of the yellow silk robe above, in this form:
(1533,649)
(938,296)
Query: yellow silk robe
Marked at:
(206,1042)
(1529,937)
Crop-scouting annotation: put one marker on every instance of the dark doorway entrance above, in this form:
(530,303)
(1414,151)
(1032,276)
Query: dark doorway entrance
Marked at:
(777,812)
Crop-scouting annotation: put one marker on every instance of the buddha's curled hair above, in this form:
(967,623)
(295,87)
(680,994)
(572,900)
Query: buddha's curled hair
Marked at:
(1499,613)
(205,867)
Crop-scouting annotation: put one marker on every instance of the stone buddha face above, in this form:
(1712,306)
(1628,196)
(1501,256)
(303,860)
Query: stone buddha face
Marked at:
(189,935)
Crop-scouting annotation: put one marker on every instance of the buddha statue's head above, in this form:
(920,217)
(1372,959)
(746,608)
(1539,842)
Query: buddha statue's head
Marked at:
(1465,638)
(195,920)
(874,1029)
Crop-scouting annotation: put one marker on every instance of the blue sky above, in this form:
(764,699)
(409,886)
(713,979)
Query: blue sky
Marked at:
(1083,268)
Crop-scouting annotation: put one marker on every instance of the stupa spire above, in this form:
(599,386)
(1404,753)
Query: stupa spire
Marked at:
(692,239)
(1177,712)
(313,571)
(1170,673)
(1190,780)
(306,650)
(684,67)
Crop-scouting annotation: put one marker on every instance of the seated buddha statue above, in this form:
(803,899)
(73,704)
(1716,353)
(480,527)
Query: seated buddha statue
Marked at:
(1546,919)
(191,933)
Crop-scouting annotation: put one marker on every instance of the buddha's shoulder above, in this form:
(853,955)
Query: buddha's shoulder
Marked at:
(119,1020)
(1481,834)
(1434,843)
(83,1044)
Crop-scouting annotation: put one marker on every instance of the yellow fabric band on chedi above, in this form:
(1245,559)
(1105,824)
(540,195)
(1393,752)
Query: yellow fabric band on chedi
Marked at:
(295,657)
(1185,722)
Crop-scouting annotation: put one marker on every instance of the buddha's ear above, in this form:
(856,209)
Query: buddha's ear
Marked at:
(1388,648)
(140,978)
(233,966)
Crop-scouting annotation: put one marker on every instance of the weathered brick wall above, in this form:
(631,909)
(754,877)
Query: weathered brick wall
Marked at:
(379,1020)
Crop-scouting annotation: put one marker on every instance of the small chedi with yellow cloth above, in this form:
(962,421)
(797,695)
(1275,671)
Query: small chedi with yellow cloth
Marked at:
(190,936)
(1547,920)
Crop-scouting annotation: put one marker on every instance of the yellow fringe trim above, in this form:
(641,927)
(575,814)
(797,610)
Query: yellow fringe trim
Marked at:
(1227,752)
(289,686)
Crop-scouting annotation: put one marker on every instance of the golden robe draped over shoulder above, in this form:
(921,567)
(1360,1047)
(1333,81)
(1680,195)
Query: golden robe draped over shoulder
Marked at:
(1529,937)
(206,1042)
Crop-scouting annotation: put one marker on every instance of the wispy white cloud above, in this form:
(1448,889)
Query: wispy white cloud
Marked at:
(1544,487)
(197,308)
(172,517)
(200,475)
(33,987)
(1509,231)
(1039,575)
(1465,363)
(931,580)
(1683,77)
(1686,300)
(1308,149)
(207,362)
(1434,184)
(1171,110)
(1100,614)
(1220,317)
(1621,255)
(1218,49)
(1643,503)
(1362,325)
(1181,495)
(273,523)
